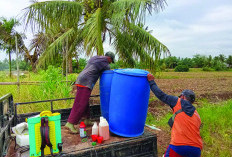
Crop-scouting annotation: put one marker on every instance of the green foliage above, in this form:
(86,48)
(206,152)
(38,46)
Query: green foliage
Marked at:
(23,65)
(78,67)
(72,77)
(53,84)
(2,77)
(114,66)
(186,61)
(216,129)
(199,60)
(229,61)
(206,68)
(119,65)
(163,67)
(4,65)
(8,36)
(219,66)
(163,122)
(120,20)
(171,62)
(218,63)
(182,68)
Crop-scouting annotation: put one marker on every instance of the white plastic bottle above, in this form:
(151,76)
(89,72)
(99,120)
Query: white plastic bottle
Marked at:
(95,129)
(104,129)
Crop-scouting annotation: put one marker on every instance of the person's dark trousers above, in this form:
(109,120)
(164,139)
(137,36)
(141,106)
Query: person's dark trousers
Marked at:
(81,105)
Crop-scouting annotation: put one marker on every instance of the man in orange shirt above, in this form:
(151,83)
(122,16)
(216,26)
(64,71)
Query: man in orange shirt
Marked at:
(185,122)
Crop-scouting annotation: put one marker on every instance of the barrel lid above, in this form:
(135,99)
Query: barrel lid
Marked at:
(108,72)
(133,72)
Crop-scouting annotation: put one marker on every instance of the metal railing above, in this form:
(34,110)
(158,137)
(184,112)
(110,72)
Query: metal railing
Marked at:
(51,101)
(6,119)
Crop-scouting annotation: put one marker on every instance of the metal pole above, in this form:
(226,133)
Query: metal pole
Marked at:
(17,62)
(52,106)
(67,62)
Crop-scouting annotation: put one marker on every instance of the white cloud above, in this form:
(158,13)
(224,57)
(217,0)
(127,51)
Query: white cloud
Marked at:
(219,14)
(209,33)
(182,3)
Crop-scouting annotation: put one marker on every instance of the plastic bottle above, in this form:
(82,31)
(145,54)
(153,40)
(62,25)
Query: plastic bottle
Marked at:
(104,129)
(95,129)
(82,130)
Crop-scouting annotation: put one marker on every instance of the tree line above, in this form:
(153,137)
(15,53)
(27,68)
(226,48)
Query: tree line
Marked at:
(207,63)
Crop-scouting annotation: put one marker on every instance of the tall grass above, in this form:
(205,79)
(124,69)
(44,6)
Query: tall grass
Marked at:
(216,129)
(53,87)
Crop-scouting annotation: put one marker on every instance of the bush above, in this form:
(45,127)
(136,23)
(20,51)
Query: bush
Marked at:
(82,63)
(181,68)
(207,68)
(114,66)
(219,66)
(53,87)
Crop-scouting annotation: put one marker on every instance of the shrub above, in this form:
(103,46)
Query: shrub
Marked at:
(206,68)
(219,66)
(181,68)
(82,64)
(53,87)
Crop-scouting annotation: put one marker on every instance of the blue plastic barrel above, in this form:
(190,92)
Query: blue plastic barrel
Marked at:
(129,99)
(105,87)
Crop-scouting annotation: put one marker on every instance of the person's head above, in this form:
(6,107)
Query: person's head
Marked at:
(188,95)
(110,56)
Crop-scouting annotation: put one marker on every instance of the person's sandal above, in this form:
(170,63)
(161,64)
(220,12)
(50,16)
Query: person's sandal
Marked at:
(71,128)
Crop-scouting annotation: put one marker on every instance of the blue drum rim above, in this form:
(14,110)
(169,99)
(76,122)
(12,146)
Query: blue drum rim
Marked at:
(108,72)
(132,72)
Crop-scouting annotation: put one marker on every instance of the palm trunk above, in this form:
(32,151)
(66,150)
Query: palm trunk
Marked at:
(10,64)
(70,65)
(33,65)
(63,62)
(64,65)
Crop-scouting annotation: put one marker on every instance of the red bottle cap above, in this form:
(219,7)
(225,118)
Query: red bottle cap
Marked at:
(99,139)
(94,137)
(82,125)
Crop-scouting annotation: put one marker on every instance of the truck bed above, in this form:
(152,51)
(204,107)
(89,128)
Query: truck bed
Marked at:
(141,146)
(144,145)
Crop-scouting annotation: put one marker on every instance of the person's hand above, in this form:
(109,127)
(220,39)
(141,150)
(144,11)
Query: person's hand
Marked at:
(150,77)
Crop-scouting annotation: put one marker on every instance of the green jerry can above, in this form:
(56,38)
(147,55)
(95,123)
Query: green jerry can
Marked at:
(45,134)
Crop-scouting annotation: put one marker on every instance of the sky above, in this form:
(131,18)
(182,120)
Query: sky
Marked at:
(186,27)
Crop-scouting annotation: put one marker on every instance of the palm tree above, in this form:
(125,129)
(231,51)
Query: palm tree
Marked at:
(7,37)
(229,61)
(222,58)
(41,43)
(89,23)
